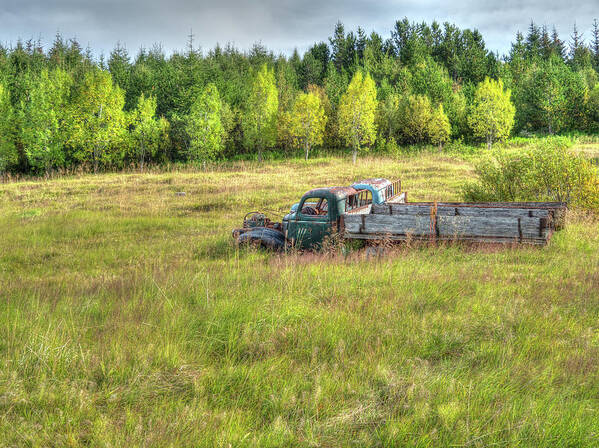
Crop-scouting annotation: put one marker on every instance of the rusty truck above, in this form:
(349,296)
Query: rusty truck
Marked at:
(377,209)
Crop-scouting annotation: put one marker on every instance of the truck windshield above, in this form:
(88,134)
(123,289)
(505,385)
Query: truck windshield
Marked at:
(315,207)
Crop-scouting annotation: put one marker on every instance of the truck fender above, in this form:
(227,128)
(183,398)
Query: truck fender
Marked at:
(263,237)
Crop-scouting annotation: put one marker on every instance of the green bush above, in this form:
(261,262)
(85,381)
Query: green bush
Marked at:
(545,171)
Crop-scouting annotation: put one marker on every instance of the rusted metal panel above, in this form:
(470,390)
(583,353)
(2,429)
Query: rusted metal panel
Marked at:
(339,192)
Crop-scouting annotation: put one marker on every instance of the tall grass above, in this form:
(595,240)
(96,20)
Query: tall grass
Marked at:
(127,317)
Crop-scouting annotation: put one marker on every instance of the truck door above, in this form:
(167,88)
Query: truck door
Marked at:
(311,223)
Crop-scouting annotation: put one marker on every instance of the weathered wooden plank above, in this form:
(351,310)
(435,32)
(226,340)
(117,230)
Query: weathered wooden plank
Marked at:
(470,226)
(417,225)
(364,236)
(422,210)
(387,224)
(530,204)
(450,227)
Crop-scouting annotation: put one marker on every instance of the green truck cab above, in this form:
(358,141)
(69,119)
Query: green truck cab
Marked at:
(318,215)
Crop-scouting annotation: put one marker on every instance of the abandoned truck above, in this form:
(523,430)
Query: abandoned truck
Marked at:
(376,209)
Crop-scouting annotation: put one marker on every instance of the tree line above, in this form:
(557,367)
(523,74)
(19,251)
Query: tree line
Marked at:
(424,84)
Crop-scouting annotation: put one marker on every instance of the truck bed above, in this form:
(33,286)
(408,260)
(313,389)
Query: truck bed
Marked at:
(530,222)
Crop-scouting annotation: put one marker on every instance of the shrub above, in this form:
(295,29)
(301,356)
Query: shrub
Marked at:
(546,171)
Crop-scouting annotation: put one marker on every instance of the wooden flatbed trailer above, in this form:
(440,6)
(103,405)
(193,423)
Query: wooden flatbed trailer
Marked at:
(492,222)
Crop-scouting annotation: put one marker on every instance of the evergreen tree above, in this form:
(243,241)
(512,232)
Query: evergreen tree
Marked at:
(576,42)
(119,66)
(533,41)
(8,151)
(56,55)
(474,60)
(580,55)
(339,50)
(360,44)
(517,59)
(546,43)
(558,45)
(595,44)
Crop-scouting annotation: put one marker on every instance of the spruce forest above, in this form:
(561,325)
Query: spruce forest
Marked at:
(63,108)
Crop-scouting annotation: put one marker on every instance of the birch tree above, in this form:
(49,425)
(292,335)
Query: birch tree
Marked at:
(357,111)
(260,117)
(148,134)
(97,121)
(308,121)
(492,115)
(205,127)
(44,119)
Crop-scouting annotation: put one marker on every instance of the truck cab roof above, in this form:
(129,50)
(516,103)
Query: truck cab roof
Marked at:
(376,182)
(336,192)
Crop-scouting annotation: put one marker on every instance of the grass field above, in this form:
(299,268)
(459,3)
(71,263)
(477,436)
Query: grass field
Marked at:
(128,318)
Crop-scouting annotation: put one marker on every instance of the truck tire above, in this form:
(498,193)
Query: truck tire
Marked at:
(264,238)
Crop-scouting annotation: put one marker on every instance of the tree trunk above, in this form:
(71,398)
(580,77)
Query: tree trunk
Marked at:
(440,146)
(142,154)
(259,155)
(355,155)
(95,161)
(307,151)
(489,142)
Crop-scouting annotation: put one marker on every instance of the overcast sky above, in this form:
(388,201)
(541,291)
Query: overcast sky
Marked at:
(281,25)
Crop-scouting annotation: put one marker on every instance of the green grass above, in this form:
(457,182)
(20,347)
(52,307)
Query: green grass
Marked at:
(128,318)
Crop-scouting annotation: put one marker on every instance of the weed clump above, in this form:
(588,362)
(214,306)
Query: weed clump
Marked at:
(546,171)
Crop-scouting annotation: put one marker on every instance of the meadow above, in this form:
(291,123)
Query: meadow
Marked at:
(129,318)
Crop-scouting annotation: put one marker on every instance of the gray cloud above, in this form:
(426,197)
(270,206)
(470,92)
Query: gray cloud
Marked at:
(279,24)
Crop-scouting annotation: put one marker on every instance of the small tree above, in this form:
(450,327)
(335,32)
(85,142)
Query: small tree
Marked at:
(439,128)
(204,126)
(148,134)
(260,118)
(331,134)
(43,128)
(8,152)
(97,122)
(492,115)
(593,109)
(308,121)
(357,112)
(415,115)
